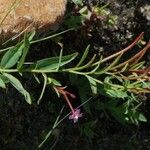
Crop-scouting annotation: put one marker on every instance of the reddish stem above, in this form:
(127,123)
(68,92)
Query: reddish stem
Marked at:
(69,104)
(62,91)
(124,50)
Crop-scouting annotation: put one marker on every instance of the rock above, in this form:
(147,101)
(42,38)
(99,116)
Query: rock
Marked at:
(17,16)
(145,10)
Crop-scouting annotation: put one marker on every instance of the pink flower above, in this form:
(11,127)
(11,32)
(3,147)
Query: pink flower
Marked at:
(75,115)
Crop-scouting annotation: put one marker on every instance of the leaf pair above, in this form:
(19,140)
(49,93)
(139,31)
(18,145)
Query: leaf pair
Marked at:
(10,59)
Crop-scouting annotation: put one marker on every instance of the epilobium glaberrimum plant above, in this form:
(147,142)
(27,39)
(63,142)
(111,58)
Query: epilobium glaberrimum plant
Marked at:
(132,75)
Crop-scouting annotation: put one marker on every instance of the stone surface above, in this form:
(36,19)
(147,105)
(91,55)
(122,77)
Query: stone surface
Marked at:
(145,10)
(41,15)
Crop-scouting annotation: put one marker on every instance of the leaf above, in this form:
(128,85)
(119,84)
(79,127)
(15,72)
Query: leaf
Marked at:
(110,67)
(136,116)
(117,93)
(137,66)
(93,85)
(78,2)
(16,83)
(84,56)
(125,67)
(36,78)
(94,79)
(60,57)
(12,56)
(52,63)
(5,80)
(27,39)
(2,83)
(142,118)
(43,89)
(114,90)
(86,65)
(146,85)
(53,81)
(97,66)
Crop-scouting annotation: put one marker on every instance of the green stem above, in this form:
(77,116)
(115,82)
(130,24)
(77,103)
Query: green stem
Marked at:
(9,70)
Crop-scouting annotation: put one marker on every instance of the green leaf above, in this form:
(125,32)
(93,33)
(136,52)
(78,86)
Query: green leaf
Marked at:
(114,90)
(78,2)
(136,116)
(142,118)
(60,57)
(146,84)
(2,83)
(50,64)
(125,67)
(27,39)
(53,81)
(86,65)
(84,56)
(12,56)
(93,85)
(117,93)
(43,89)
(16,83)
(110,67)
(138,65)
(98,63)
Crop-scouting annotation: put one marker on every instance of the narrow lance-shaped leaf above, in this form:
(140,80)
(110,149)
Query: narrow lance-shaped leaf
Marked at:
(27,39)
(50,64)
(138,65)
(43,89)
(2,83)
(53,82)
(60,57)
(84,66)
(16,83)
(126,66)
(12,56)
(93,85)
(84,56)
(142,117)
(97,67)
(110,67)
